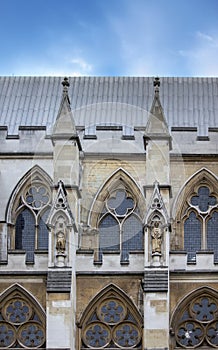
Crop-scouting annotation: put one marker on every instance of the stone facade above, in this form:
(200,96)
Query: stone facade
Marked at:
(109,241)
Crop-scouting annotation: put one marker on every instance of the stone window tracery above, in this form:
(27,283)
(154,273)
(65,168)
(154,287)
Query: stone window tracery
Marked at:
(201,223)
(197,324)
(31,213)
(111,325)
(21,324)
(120,226)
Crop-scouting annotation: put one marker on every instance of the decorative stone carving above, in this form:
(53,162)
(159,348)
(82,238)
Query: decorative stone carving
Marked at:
(60,223)
(157,229)
(60,242)
(156,235)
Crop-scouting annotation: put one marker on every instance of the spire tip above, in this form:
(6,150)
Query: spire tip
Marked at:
(65,84)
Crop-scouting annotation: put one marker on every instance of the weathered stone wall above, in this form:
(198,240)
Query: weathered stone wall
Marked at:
(89,286)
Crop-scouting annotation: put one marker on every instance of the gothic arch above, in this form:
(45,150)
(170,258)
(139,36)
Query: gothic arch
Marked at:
(201,176)
(27,213)
(110,313)
(118,179)
(194,321)
(35,172)
(23,319)
(16,287)
(187,215)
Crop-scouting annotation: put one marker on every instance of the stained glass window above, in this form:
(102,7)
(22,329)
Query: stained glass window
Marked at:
(109,233)
(21,326)
(192,235)
(212,234)
(111,326)
(25,233)
(31,232)
(43,231)
(198,323)
(120,227)
(201,226)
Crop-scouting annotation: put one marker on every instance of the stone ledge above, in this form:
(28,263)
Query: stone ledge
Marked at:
(59,281)
(155,281)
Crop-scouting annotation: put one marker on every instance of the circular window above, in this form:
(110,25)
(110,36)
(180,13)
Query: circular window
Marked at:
(126,335)
(111,311)
(97,335)
(17,311)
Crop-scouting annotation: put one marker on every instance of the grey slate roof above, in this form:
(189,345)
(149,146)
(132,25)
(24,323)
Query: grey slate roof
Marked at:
(34,101)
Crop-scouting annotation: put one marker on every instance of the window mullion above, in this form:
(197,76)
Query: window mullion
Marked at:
(204,238)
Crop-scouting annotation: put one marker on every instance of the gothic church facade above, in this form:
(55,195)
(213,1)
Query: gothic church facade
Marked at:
(109,213)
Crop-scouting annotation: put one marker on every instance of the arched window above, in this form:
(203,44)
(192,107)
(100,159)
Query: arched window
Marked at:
(195,321)
(30,207)
(120,226)
(22,321)
(201,223)
(111,322)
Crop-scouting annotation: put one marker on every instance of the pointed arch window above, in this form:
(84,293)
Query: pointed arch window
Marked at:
(201,223)
(111,323)
(30,212)
(22,322)
(120,226)
(195,324)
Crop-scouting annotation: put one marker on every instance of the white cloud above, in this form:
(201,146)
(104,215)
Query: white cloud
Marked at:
(205,36)
(201,60)
(83,66)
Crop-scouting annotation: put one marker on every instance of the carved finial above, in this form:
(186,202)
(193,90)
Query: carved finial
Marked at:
(65,84)
(156,85)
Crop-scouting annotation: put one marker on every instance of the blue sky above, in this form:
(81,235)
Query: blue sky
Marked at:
(109,37)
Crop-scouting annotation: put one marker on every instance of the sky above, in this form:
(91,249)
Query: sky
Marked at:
(109,37)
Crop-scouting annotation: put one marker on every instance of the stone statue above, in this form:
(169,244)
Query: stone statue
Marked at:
(156,235)
(61,242)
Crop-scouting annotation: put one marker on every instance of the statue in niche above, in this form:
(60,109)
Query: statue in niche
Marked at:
(156,235)
(61,242)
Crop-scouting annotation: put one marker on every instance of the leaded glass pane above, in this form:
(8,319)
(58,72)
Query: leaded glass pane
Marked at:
(109,233)
(212,234)
(43,231)
(132,236)
(192,235)
(25,233)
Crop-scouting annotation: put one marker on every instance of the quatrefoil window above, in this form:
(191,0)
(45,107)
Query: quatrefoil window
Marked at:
(120,203)
(120,226)
(203,200)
